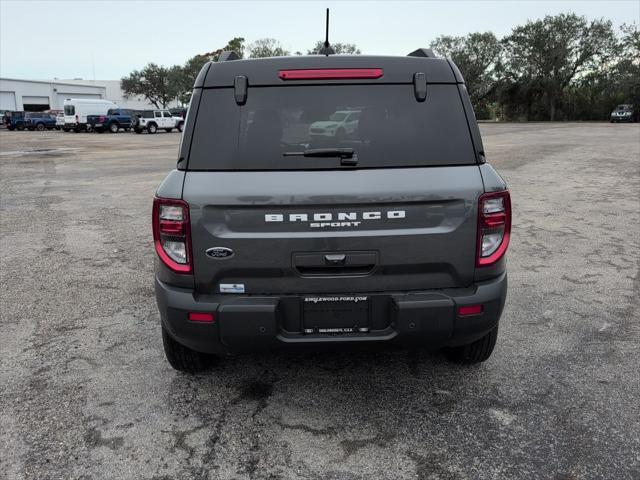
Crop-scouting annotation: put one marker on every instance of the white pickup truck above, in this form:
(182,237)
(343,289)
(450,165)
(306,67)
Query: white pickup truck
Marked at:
(152,120)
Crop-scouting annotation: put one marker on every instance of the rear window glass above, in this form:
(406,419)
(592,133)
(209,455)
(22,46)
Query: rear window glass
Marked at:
(147,114)
(383,124)
(69,110)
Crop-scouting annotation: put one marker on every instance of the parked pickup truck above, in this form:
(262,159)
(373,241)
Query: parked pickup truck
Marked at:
(114,120)
(152,120)
(39,121)
(13,120)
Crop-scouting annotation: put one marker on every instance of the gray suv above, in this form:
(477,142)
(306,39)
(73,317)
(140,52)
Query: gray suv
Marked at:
(393,230)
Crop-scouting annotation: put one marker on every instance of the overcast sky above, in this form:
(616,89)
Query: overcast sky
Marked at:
(64,39)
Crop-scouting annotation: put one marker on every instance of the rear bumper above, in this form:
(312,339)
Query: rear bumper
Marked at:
(249,323)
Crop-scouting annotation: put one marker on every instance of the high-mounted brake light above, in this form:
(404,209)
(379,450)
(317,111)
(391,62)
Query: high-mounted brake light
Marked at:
(172,234)
(494,227)
(330,74)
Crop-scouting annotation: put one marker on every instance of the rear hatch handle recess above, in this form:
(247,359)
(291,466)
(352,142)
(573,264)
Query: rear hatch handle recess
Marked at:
(347,156)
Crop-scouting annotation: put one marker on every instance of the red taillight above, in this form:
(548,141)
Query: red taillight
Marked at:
(172,234)
(465,310)
(330,73)
(494,227)
(201,317)
(102,118)
(77,119)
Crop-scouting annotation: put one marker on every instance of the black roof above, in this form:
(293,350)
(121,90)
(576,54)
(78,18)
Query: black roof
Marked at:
(264,71)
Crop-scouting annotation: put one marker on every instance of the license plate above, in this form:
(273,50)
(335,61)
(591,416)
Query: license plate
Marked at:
(98,125)
(336,315)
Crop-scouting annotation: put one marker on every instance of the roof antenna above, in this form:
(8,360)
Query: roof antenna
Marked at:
(326,48)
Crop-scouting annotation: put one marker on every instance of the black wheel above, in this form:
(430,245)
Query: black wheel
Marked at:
(20,127)
(181,126)
(182,358)
(475,352)
(40,127)
(114,127)
(168,130)
(152,128)
(137,130)
(11,129)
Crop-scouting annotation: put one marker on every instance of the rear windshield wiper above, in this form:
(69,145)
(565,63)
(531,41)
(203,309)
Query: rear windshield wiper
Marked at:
(347,156)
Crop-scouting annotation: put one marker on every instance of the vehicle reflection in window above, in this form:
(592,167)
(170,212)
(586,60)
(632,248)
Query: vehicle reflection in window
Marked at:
(339,125)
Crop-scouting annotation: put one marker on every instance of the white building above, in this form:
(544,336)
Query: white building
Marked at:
(38,95)
(116,95)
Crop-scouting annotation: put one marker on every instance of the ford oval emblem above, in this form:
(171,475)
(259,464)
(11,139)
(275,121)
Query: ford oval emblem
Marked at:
(219,252)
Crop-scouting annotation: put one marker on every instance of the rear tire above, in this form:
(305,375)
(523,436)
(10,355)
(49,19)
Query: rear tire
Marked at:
(137,130)
(182,358)
(114,127)
(152,128)
(40,127)
(474,352)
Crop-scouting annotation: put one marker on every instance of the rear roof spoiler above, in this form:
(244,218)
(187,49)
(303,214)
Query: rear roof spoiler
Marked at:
(265,71)
(422,52)
(228,55)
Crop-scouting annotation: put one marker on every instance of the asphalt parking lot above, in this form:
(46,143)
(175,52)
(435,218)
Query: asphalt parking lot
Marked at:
(87,394)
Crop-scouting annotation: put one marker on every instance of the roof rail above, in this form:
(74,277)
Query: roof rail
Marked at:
(228,55)
(422,52)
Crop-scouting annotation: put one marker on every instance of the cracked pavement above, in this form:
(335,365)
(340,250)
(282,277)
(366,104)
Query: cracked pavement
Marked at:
(87,394)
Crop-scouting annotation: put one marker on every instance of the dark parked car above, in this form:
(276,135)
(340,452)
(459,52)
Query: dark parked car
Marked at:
(624,113)
(13,120)
(114,120)
(39,121)
(393,232)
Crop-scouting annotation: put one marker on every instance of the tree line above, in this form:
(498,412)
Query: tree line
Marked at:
(561,67)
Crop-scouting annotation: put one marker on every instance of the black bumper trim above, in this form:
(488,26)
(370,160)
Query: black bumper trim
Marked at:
(247,323)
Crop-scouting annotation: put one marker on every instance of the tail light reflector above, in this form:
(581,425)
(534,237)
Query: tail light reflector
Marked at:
(330,73)
(494,227)
(465,310)
(102,118)
(172,234)
(201,317)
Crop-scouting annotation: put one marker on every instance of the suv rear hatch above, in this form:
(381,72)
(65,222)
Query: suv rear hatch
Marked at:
(398,211)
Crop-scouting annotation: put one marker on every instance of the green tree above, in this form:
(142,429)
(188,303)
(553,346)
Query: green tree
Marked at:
(340,48)
(236,45)
(476,55)
(266,47)
(186,75)
(626,73)
(542,58)
(154,82)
